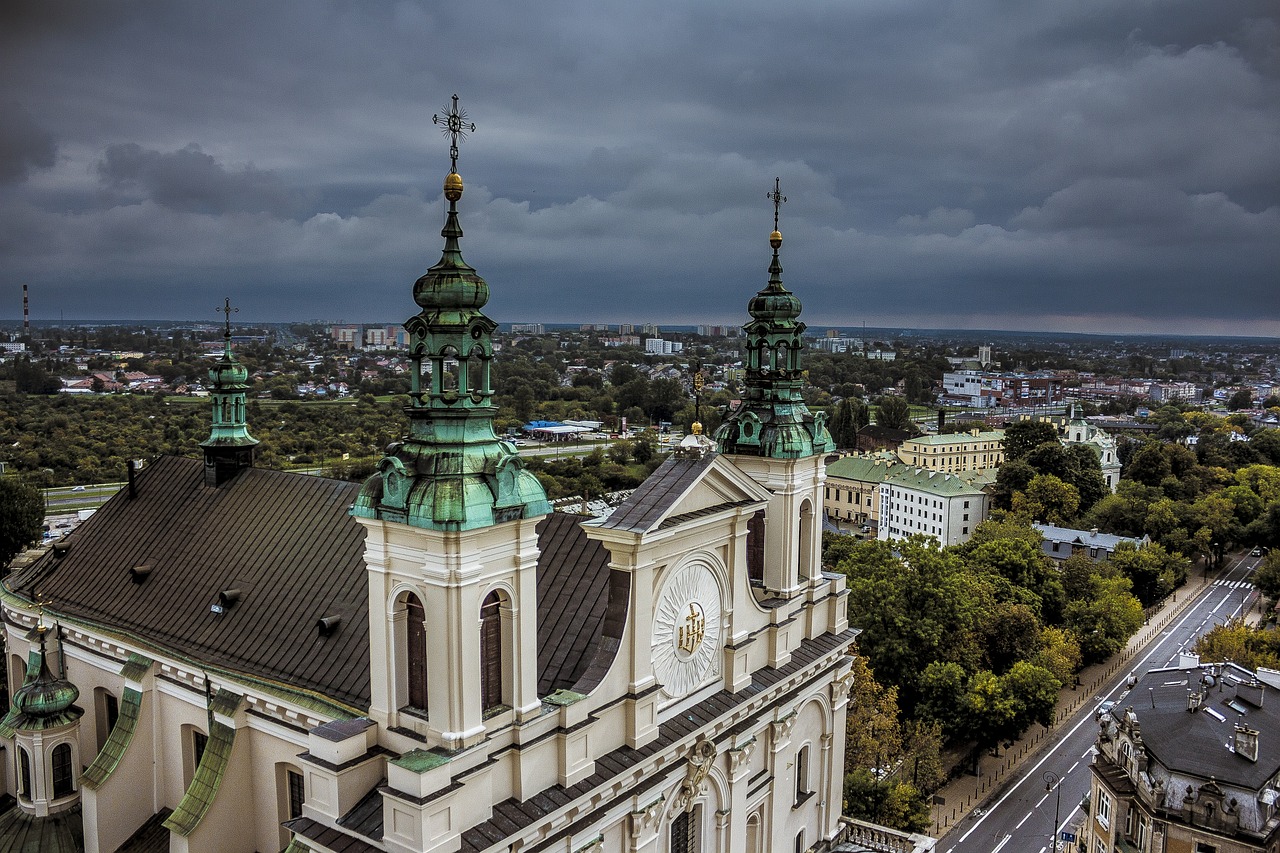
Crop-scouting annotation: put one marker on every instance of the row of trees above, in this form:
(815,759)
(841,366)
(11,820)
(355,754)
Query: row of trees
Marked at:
(974,642)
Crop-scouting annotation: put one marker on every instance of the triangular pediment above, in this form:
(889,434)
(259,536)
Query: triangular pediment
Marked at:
(684,488)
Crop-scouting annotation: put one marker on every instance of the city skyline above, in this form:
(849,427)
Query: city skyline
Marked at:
(1105,168)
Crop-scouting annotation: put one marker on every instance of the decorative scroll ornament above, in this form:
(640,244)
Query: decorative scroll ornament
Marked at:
(701,757)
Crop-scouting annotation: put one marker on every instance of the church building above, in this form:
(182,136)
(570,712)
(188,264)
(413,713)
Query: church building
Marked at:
(228,659)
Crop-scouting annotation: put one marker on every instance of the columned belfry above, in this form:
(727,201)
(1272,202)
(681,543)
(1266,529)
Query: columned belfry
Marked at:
(229,446)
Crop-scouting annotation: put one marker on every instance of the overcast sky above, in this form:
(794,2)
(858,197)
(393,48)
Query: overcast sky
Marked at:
(1092,165)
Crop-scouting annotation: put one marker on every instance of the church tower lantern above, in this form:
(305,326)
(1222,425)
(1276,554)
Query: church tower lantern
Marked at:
(229,446)
(772,435)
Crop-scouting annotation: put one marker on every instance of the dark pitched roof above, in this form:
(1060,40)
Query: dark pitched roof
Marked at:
(1196,744)
(287,543)
(283,540)
(573,587)
(658,493)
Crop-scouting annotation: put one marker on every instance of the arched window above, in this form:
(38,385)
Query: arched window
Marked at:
(415,648)
(24,774)
(753,834)
(61,763)
(802,774)
(755,548)
(491,652)
(806,541)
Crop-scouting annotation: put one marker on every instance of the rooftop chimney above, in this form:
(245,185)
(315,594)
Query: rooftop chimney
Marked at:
(1245,742)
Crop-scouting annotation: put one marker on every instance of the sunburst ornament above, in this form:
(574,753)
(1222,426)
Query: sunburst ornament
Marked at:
(687,630)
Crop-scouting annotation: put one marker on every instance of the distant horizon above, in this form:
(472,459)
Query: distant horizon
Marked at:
(815,329)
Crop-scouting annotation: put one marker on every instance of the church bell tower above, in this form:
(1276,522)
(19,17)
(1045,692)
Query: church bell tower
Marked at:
(773,436)
(229,446)
(451,514)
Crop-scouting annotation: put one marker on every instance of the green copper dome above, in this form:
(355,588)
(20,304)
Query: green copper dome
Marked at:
(773,420)
(44,700)
(451,472)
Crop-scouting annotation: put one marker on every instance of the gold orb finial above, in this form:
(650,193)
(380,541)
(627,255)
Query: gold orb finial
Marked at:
(775,239)
(697,428)
(453,186)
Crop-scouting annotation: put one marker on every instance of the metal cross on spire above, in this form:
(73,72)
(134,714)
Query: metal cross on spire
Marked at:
(778,199)
(455,127)
(228,310)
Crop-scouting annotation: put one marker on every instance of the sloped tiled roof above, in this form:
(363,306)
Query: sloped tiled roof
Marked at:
(664,487)
(284,540)
(573,587)
(287,543)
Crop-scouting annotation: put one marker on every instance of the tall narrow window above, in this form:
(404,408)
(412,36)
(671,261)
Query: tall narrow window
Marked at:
(802,774)
(755,548)
(24,774)
(491,652)
(416,651)
(800,848)
(199,740)
(297,793)
(684,833)
(61,761)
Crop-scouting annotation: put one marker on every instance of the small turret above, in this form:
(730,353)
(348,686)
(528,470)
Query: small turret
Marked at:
(229,446)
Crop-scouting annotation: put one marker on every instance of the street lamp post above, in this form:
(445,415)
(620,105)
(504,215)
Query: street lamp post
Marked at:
(1051,782)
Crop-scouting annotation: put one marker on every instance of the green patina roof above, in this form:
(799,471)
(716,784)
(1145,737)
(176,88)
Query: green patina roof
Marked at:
(225,702)
(420,760)
(105,763)
(44,701)
(864,469)
(296,846)
(451,472)
(773,420)
(227,387)
(56,833)
(939,483)
(208,779)
(136,667)
(946,439)
(564,697)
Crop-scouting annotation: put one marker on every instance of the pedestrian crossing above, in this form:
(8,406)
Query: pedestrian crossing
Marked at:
(1233,584)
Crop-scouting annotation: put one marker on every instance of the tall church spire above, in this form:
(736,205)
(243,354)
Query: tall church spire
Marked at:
(772,420)
(229,446)
(451,472)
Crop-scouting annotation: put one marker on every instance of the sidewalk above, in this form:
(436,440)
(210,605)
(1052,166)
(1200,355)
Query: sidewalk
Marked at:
(965,792)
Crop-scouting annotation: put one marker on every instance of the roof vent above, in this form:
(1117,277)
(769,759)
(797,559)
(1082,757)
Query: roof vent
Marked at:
(1194,700)
(61,547)
(327,626)
(228,597)
(140,573)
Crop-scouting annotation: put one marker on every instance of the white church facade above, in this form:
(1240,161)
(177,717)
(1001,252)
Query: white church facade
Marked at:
(227,659)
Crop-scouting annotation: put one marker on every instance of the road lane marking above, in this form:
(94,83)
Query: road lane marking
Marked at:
(1024,819)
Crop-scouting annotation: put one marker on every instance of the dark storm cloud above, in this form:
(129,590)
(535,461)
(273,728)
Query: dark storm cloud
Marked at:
(1097,164)
(24,145)
(191,181)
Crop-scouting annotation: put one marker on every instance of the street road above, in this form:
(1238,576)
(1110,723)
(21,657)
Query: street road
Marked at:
(1019,817)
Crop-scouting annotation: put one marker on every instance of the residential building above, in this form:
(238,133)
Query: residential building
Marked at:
(1188,764)
(1062,542)
(659,346)
(945,506)
(852,492)
(955,452)
(433,660)
(527,329)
